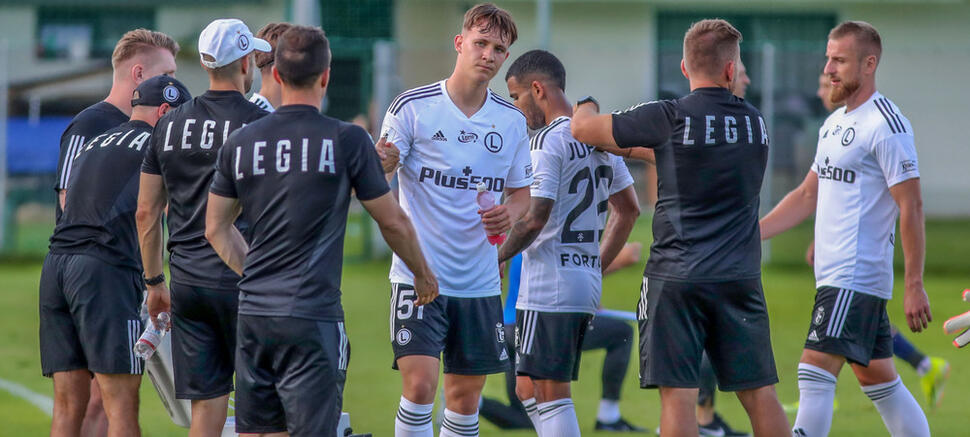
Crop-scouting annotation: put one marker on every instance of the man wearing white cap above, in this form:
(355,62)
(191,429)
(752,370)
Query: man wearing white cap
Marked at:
(177,171)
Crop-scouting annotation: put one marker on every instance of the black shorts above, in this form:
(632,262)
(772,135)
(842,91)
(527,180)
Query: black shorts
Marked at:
(729,320)
(549,345)
(468,331)
(290,375)
(89,316)
(850,324)
(203,340)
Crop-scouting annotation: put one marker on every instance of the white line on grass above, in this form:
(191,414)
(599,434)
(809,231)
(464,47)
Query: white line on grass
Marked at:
(38,400)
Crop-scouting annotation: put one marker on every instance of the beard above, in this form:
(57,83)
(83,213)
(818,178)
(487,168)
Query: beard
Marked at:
(842,91)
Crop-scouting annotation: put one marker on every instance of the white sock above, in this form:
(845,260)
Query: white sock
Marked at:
(816,392)
(924,366)
(899,410)
(559,418)
(413,420)
(459,425)
(609,411)
(533,412)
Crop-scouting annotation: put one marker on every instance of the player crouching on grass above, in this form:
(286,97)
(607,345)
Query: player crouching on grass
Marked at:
(563,225)
(91,284)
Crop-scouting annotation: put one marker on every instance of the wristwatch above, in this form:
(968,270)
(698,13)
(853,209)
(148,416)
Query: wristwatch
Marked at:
(155,280)
(588,99)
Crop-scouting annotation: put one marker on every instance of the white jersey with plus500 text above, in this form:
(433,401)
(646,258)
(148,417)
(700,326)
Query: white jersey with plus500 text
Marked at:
(561,269)
(444,155)
(860,155)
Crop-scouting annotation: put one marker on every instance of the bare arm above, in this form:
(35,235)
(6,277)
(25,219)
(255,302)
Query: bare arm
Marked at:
(148,218)
(624,210)
(62,197)
(499,219)
(629,255)
(525,231)
(793,209)
(228,242)
(912,232)
(595,129)
(400,236)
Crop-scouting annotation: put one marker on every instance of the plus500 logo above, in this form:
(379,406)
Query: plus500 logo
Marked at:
(469,182)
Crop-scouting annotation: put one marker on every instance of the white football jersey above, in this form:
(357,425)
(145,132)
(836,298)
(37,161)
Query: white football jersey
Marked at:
(262,102)
(444,155)
(860,155)
(561,270)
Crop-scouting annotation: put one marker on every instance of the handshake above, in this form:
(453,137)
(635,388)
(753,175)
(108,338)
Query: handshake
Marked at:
(959,324)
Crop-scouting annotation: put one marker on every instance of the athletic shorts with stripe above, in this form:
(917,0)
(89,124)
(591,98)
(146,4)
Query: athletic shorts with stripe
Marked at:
(290,375)
(203,340)
(89,316)
(850,324)
(678,320)
(549,345)
(467,333)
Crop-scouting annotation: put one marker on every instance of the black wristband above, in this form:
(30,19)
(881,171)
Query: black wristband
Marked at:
(155,280)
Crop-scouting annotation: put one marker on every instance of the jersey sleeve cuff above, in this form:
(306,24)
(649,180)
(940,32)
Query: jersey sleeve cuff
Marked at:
(519,183)
(224,193)
(371,195)
(902,178)
(150,170)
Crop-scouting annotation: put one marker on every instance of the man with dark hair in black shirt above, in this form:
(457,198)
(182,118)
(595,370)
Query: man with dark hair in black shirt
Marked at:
(291,175)
(177,171)
(702,284)
(90,285)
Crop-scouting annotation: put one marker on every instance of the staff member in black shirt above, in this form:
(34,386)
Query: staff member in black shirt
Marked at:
(702,284)
(90,285)
(177,171)
(292,173)
(139,55)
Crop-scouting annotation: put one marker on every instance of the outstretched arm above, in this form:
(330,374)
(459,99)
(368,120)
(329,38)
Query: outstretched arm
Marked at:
(400,236)
(912,232)
(525,231)
(793,209)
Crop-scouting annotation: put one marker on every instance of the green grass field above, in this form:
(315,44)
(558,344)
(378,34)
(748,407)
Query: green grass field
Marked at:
(373,388)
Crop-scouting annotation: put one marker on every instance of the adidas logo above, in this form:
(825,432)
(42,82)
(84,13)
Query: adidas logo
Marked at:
(439,137)
(504,355)
(812,336)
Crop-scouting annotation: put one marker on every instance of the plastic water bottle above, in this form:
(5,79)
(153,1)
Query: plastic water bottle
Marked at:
(486,201)
(150,339)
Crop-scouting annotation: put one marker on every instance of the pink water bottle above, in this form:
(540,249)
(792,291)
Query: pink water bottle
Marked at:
(486,201)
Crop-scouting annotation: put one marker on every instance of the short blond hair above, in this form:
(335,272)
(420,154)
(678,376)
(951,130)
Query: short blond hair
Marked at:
(709,45)
(138,41)
(865,34)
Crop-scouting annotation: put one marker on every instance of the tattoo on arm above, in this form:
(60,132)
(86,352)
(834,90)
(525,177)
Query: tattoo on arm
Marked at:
(525,231)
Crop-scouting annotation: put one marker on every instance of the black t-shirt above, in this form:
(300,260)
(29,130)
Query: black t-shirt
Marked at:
(89,123)
(293,172)
(711,149)
(184,147)
(99,216)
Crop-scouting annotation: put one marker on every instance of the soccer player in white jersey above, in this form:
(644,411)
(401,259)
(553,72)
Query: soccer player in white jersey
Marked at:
(574,186)
(269,96)
(865,175)
(451,136)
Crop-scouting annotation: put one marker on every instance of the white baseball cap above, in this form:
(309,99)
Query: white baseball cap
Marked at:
(226,40)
